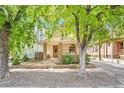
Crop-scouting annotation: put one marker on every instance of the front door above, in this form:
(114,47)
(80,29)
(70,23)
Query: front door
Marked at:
(55,51)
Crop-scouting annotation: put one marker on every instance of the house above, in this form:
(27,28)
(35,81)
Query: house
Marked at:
(56,47)
(59,46)
(113,49)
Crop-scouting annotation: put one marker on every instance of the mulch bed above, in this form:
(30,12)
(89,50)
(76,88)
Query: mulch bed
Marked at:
(90,66)
(44,66)
(29,66)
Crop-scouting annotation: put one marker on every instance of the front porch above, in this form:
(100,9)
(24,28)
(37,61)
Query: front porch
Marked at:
(57,49)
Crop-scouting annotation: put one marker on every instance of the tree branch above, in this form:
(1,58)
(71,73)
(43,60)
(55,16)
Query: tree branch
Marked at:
(118,14)
(76,26)
(17,17)
(20,11)
(88,9)
(97,29)
(84,43)
(94,7)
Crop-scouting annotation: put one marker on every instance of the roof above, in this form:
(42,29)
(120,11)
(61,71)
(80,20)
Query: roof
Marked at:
(58,40)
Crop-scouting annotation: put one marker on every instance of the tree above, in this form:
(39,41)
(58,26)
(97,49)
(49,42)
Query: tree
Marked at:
(113,27)
(83,22)
(16,31)
(99,38)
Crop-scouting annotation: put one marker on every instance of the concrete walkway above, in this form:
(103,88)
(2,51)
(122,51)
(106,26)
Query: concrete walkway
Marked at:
(113,69)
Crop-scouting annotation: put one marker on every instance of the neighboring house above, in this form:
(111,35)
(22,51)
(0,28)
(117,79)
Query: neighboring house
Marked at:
(113,49)
(36,51)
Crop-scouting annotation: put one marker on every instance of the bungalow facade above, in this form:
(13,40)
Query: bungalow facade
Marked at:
(57,47)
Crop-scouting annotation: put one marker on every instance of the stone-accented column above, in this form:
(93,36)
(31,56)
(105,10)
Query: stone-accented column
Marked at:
(60,51)
(44,51)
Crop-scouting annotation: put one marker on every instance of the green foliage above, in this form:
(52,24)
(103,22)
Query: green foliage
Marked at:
(16,61)
(25,58)
(21,32)
(88,59)
(98,17)
(67,59)
(23,18)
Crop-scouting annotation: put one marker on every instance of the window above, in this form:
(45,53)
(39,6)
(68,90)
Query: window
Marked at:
(72,49)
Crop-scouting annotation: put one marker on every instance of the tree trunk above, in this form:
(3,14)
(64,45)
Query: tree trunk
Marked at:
(4,69)
(100,52)
(82,69)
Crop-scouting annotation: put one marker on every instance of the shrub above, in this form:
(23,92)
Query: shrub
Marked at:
(67,59)
(88,59)
(16,61)
(25,58)
(48,56)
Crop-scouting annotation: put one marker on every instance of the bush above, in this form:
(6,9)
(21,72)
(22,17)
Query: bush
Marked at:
(67,59)
(88,59)
(16,61)
(48,56)
(25,58)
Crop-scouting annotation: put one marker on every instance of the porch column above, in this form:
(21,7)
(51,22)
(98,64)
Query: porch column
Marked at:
(123,48)
(60,51)
(112,51)
(44,51)
(106,50)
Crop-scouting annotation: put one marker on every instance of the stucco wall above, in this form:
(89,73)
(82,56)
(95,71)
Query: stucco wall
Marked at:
(109,49)
(50,50)
(65,48)
(106,50)
(95,52)
(92,51)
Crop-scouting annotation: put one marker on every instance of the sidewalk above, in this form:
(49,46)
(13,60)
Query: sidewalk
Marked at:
(117,61)
(112,69)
